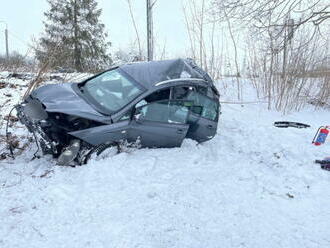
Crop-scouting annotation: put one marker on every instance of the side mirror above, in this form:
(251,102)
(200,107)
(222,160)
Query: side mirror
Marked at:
(197,109)
(137,117)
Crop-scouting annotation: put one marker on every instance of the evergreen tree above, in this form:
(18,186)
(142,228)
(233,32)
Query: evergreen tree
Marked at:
(74,36)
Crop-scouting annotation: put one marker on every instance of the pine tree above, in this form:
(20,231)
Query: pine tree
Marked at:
(74,36)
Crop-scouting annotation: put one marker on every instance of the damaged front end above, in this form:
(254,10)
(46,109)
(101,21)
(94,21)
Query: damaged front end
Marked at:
(32,114)
(51,132)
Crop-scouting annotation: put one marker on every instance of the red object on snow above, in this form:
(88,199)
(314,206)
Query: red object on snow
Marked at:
(321,135)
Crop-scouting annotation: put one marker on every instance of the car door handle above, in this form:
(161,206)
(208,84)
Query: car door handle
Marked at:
(210,126)
(179,131)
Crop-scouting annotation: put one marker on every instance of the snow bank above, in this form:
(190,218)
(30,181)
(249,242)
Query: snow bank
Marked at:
(253,185)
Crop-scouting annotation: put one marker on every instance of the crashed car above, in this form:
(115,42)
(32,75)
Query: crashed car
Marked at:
(154,104)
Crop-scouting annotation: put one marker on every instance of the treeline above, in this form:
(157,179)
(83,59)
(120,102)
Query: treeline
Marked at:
(17,61)
(73,38)
(283,46)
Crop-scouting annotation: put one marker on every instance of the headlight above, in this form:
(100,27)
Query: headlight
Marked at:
(44,123)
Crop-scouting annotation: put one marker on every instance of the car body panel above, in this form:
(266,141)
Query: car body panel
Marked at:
(35,110)
(155,134)
(62,98)
(146,133)
(201,129)
(152,72)
(103,134)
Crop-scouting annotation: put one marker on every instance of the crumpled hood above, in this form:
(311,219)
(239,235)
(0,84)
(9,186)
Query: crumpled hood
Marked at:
(62,98)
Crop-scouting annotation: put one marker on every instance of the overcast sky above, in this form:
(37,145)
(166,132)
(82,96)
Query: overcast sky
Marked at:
(24,19)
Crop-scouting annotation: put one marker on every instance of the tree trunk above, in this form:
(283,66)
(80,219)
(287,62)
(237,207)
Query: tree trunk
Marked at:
(77,50)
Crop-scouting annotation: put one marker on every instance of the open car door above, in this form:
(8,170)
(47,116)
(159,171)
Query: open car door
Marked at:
(204,112)
(204,122)
(159,124)
(201,129)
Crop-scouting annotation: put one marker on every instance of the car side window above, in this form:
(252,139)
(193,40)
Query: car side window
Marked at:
(201,98)
(163,111)
(202,90)
(126,116)
(159,95)
(206,91)
(181,92)
(210,106)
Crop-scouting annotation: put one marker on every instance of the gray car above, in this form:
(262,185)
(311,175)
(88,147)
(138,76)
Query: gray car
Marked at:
(152,104)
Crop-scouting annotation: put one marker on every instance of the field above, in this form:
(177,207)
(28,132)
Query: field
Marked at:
(252,185)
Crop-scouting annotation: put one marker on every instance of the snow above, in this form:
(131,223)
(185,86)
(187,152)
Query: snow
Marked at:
(252,185)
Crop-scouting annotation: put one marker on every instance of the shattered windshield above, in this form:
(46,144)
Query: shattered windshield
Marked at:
(112,90)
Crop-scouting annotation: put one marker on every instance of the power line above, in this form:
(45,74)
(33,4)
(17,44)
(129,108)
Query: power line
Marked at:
(21,40)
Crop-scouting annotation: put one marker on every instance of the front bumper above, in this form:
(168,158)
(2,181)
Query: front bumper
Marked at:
(32,114)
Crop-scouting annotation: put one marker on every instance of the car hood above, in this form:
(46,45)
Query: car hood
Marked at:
(62,98)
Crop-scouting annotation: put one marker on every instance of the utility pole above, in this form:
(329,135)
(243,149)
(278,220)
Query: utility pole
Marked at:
(150,38)
(7,50)
(6,39)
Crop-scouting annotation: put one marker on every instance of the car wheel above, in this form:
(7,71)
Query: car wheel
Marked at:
(101,152)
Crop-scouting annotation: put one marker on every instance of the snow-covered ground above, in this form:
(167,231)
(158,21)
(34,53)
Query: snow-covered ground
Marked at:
(253,185)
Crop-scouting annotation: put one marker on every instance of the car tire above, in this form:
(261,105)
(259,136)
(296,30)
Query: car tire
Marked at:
(98,151)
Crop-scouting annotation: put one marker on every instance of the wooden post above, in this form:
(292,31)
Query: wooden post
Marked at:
(150,31)
(7,50)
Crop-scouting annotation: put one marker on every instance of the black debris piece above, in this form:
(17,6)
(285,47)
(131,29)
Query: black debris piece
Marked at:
(286,124)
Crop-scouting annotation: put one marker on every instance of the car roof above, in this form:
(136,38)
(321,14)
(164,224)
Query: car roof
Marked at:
(151,73)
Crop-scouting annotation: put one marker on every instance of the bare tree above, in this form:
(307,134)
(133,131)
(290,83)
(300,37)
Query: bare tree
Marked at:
(258,13)
(203,38)
(282,45)
(236,58)
(135,28)
(299,82)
